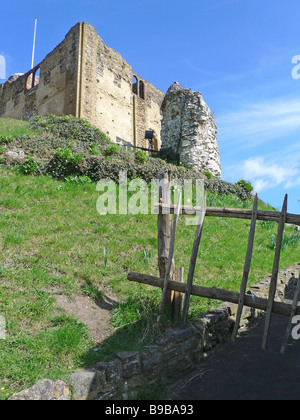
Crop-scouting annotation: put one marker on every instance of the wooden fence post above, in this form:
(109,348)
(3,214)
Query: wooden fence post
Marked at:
(193,263)
(177,296)
(164,227)
(273,282)
(246,269)
(170,257)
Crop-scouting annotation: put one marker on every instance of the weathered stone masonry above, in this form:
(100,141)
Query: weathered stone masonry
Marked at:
(56,91)
(189,130)
(82,76)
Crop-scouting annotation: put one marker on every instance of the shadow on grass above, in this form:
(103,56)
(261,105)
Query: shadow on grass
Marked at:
(101,300)
(134,336)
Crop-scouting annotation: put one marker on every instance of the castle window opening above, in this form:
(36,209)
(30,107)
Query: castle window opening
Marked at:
(33,78)
(134,85)
(36,77)
(141,89)
(28,83)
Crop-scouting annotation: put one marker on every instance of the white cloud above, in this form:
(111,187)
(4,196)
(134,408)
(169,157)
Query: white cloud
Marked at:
(261,184)
(258,123)
(293,183)
(265,175)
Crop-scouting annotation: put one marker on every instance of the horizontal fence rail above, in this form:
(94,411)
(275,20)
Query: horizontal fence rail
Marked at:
(272,216)
(166,239)
(129,146)
(214,293)
(145,149)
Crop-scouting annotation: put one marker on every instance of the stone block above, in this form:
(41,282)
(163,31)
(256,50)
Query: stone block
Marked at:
(44,389)
(172,352)
(84,384)
(191,343)
(182,334)
(131,364)
(150,360)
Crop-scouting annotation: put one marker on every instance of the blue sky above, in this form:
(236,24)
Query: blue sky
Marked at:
(237,53)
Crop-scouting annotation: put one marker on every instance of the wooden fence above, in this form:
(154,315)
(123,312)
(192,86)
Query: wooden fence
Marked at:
(129,146)
(171,279)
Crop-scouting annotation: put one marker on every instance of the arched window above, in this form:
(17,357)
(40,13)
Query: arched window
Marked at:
(141,89)
(33,78)
(28,83)
(134,85)
(36,77)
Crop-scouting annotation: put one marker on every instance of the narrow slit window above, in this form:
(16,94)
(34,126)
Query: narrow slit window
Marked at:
(142,89)
(134,85)
(28,83)
(33,79)
(36,77)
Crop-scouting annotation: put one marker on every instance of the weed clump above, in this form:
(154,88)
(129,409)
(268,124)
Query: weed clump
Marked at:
(29,166)
(69,127)
(65,147)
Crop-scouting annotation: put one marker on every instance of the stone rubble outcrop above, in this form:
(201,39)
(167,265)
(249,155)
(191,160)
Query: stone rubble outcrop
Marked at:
(189,130)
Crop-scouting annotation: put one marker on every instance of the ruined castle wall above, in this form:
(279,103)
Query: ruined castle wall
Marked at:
(107,99)
(189,132)
(84,77)
(56,89)
(105,91)
(12,98)
(149,115)
(56,93)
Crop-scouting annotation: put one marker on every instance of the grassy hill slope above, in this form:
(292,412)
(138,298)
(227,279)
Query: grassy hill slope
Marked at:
(53,242)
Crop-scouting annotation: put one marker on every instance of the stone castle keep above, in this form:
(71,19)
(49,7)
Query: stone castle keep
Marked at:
(84,77)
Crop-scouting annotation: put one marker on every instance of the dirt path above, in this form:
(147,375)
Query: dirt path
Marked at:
(95,315)
(243,371)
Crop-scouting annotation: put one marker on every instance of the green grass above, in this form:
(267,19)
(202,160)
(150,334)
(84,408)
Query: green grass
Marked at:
(52,240)
(10,128)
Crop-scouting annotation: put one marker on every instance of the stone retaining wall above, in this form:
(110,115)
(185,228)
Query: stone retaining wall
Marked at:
(171,357)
